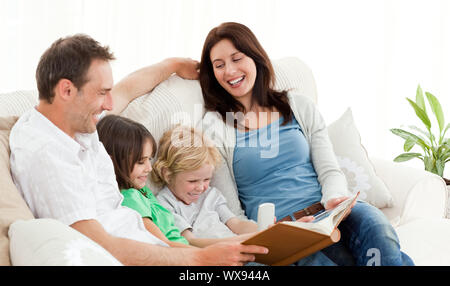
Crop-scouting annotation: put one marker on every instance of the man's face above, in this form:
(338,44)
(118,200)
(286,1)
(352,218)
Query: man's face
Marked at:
(92,98)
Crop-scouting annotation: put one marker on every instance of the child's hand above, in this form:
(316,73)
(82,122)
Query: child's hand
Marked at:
(274,222)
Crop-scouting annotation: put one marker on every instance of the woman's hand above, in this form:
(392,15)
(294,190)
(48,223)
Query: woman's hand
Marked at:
(308,218)
(332,203)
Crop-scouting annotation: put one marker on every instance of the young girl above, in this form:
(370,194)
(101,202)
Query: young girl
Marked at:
(185,164)
(131,146)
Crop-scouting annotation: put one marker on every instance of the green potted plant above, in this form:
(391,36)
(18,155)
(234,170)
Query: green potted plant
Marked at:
(435,147)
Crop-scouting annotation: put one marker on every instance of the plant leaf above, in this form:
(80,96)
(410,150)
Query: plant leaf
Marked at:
(407,156)
(427,134)
(437,110)
(419,98)
(446,128)
(442,150)
(409,143)
(408,135)
(440,167)
(420,113)
(429,163)
(445,155)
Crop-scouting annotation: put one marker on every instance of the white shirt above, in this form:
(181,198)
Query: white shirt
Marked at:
(70,179)
(206,218)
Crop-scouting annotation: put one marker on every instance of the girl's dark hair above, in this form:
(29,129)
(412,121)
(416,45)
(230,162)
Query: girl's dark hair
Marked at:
(123,139)
(216,97)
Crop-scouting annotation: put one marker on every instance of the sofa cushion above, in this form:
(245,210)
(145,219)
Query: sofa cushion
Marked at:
(354,162)
(426,241)
(17,102)
(54,244)
(12,206)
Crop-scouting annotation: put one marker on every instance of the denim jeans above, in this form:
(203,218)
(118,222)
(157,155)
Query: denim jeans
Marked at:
(367,239)
(315,259)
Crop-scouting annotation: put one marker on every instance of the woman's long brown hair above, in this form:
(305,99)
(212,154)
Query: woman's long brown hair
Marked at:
(216,97)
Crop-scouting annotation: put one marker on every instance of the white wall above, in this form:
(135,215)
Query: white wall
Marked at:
(365,54)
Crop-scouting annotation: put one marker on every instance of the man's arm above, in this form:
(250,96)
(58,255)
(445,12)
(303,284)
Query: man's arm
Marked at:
(131,252)
(144,80)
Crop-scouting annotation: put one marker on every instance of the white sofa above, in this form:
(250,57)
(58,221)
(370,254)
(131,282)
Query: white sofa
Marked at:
(419,198)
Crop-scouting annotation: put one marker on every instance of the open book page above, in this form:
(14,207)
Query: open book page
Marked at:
(326,221)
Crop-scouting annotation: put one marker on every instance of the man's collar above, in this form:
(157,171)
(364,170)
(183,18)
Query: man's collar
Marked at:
(82,141)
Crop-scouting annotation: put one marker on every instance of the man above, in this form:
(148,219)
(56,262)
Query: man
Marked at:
(63,171)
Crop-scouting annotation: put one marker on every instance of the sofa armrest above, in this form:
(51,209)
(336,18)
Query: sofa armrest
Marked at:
(54,244)
(416,193)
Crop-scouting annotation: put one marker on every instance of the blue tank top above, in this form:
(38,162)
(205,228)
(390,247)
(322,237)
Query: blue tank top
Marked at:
(273,164)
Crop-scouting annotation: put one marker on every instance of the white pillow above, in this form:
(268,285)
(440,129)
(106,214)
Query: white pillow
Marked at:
(48,242)
(354,162)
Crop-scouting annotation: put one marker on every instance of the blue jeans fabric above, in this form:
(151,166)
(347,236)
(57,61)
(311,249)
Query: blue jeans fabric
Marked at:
(367,239)
(315,259)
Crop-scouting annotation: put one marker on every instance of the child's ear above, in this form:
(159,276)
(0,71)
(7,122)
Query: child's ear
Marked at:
(165,174)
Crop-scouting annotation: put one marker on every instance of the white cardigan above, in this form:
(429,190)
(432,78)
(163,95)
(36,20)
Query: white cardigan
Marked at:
(329,174)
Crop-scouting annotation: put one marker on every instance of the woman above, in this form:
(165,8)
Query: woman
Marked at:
(299,170)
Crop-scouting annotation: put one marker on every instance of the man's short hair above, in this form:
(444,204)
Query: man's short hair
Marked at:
(68,58)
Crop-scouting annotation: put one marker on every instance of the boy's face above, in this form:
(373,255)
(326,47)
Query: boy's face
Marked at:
(189,185)
(142,167)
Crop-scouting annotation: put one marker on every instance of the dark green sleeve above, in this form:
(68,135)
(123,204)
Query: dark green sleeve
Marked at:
(133,199)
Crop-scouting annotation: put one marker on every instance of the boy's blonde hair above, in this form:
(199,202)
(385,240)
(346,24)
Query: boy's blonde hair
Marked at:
(182,149)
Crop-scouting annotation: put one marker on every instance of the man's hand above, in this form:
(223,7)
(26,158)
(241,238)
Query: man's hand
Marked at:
(146,79)
(229,253)
(184,67)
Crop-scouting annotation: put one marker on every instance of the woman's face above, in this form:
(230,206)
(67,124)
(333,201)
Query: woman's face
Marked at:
(234,71)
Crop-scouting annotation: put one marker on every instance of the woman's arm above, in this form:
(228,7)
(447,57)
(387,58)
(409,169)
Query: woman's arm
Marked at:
(329,174)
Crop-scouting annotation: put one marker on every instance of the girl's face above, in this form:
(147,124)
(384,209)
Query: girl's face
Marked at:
(142,167)
(234,71)
(187,186)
